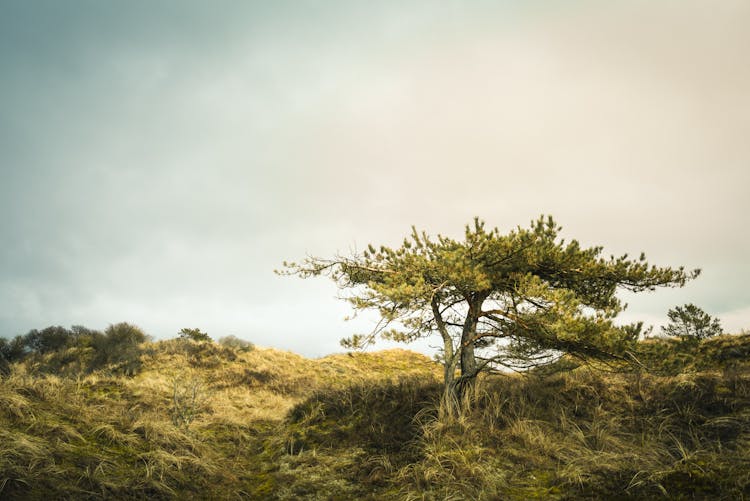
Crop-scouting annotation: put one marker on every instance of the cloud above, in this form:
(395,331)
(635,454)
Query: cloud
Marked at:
(158,163)
(736,320)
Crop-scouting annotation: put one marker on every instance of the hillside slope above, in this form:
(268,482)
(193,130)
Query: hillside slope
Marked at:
(205,421)
(197,418)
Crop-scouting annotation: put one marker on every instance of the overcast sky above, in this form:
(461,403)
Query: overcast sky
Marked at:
(159,159)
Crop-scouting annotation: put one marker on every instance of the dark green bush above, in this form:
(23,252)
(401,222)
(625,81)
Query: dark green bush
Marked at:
(53,349)
(4,364)
(118,348)
(207,355)
(73,357)
(12,350)
(83,335)
(49,339)
(194,335)
(676,355)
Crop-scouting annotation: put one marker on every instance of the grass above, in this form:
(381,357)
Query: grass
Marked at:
(268,424)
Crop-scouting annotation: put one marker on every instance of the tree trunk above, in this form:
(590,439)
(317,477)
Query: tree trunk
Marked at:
(468,361)
(449,356)
(468,369)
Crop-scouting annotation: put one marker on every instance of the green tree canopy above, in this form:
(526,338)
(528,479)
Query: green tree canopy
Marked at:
(194,334)
(689,321)
(495,300)
(50,339)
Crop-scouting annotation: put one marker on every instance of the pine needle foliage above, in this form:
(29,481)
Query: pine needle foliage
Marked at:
(689,321)
(194,335)
(496,300)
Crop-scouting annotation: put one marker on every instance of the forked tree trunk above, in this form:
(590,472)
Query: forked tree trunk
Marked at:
(469,368)
(457,388)
(450,361)
(468,371)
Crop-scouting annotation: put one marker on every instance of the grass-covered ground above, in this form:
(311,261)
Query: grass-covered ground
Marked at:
(204,421)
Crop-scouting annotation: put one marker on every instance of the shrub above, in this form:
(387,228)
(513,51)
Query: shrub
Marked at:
(47,340)
(188,399)
(54,349)
(236,343)
(206,355)
(12,350)
(71,358)
(4,365)
(118,346)
(83,335)
(194,335)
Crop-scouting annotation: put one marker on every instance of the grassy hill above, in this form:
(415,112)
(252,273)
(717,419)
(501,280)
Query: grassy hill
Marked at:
(205,421)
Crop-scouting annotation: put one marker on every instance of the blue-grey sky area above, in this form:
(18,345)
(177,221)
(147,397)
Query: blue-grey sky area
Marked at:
(158,160)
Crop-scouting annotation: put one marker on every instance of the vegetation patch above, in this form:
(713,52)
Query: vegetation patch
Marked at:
(267,424)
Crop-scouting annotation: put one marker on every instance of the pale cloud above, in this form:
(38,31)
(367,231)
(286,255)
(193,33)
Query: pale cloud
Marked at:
(157,167)
(735,320)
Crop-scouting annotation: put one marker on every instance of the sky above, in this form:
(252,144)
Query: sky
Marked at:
(159,159)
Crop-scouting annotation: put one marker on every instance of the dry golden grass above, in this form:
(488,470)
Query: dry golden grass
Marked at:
(268,424)
(105,435)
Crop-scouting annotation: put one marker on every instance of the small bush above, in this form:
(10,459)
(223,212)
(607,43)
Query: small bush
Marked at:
(83,335)
(194,335)
(672,356)
(188,399)
(54,350)
(50,339)
(236,343)
(4,365)
(12,350)
(119,346)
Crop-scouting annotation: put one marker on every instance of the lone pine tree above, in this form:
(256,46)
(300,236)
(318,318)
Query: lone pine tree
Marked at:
(496,300)
(689,321)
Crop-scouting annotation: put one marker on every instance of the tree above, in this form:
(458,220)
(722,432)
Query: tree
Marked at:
(691,322)
(495,300)
(194,335)
(13,350)
(50,339)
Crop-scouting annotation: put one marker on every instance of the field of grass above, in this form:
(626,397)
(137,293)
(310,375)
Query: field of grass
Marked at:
(205,421)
